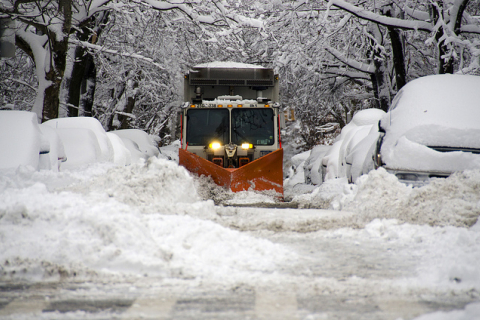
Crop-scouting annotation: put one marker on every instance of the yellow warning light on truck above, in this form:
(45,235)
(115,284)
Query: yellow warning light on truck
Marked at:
(215,145)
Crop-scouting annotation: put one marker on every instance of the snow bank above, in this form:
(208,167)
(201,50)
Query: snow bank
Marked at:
(155,185)
(454,201)
(171,151)
(137,220)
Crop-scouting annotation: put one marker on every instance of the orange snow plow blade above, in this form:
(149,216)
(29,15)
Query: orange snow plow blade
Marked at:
(265,173)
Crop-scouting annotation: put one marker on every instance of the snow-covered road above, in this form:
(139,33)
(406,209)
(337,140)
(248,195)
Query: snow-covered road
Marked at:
(142,242)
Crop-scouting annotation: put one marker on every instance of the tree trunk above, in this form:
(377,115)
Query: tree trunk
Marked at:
(130,93)
(117,94)
(81,82)
(87,89)
(381,82)
(445,65)
(398,54)
(75,81)
(57,54)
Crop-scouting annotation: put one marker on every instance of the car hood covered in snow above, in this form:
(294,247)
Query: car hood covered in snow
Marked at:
(434,125)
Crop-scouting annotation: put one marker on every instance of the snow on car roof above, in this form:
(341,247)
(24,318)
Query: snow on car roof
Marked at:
(450,100)
(228,64)
(438,110)
(433,111)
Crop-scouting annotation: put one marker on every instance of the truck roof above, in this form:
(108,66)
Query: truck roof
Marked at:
(229,65)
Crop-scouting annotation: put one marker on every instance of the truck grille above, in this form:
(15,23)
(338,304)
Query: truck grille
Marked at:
(203,82)
(267,83)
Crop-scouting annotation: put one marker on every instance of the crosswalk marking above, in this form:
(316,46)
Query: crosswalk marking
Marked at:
(158,307)
(24,306)
(281,305)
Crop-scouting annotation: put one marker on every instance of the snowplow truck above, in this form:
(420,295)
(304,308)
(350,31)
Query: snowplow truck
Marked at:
(230,126)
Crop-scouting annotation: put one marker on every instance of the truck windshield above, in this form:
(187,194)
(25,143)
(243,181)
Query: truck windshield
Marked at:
(253,126)
(207,125)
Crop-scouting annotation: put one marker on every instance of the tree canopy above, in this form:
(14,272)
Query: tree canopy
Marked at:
(122,61)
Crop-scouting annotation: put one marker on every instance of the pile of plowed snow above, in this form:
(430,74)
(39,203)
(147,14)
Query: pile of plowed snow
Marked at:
(454,201)
(121,221)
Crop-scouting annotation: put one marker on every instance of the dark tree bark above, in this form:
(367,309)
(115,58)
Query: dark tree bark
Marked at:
(58,56)
(87,89)
(376,99)
(444,65)
(81,85)
(379,81)
(398,54)
(116,95)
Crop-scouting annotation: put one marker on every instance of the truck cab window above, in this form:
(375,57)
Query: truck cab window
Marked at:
(253,125)
(207,125)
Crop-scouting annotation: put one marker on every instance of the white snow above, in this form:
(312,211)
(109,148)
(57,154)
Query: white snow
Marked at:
(81,147)
(144,142)
(21,139)
(136,220)
(104,220)
(335,160)
(56,156)
(470,312)
(229,65)
(438,111)
(121,154)
(106,150)
(313,165)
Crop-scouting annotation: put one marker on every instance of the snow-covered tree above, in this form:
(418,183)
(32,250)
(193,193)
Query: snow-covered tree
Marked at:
(449,24)
(47,29)
(42,31)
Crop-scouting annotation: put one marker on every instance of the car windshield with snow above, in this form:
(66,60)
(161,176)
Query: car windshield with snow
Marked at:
(432,129)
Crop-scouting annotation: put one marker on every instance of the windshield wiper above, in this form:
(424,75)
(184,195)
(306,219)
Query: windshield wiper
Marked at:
(453,149)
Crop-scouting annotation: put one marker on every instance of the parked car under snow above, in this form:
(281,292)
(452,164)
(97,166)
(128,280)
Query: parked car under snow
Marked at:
(432,129)
(21,140)
(336,163)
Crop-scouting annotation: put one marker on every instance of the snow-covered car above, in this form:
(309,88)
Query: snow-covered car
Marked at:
(432,129)
(121,154)
(137,140)
(359,160)
(53,159)
(334,163)
(21,141)
(88,123)
(312,165)
(81,147)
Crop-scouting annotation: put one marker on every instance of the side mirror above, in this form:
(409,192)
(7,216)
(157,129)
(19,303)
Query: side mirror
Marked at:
(380,128)
(377,156)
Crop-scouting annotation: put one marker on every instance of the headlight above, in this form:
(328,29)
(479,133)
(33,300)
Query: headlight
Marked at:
(214,145)
(246,146)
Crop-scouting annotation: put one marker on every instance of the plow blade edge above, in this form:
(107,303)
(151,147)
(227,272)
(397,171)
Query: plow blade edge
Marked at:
(265,173)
